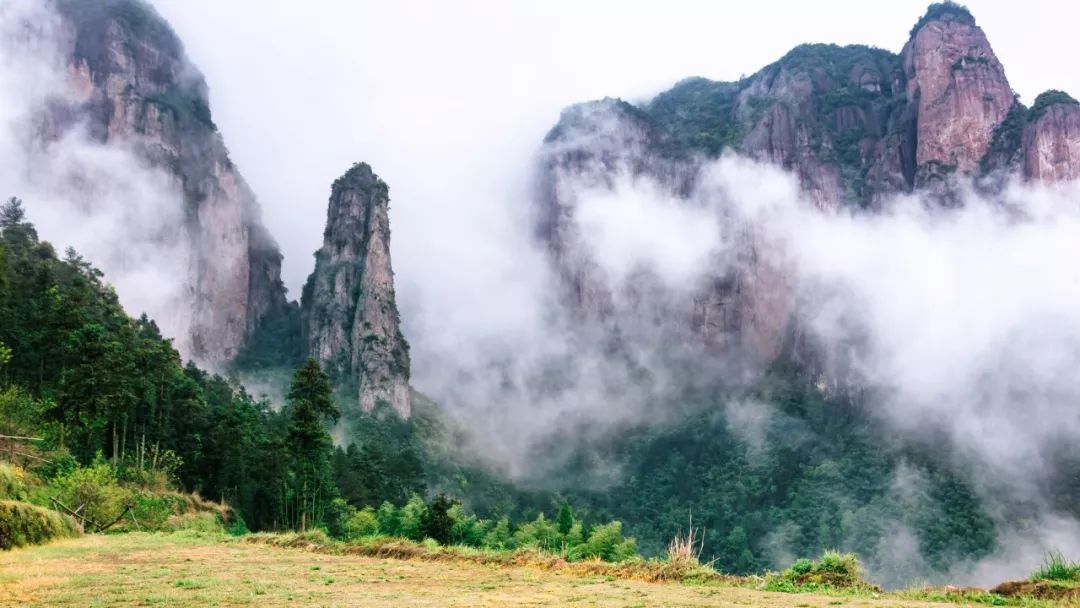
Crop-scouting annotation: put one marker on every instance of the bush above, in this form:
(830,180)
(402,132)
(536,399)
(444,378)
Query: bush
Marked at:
(947,10)
(13,482)
(389,520)
(607,543)
(539,534)
(833,570)
(498,538)
(466,529)
(1047,99)
(24,524)
(151,511)
(411,517)
(20,413)
(362,523)
(95,494)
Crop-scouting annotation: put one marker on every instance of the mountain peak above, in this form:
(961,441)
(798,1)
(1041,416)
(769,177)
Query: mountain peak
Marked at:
(350,316)
(945,12)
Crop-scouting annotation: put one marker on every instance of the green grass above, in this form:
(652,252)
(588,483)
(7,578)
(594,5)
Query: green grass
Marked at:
(1057,568)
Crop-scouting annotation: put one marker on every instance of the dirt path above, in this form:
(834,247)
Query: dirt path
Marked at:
(183,571)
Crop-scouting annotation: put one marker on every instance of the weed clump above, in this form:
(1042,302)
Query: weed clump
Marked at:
(834,570)
(1057,568)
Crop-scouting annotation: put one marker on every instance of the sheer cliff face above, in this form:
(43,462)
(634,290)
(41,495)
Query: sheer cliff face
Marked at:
(1051,143)
(737,312)
(856,125)
(349,311)
(136,88)
(959,91)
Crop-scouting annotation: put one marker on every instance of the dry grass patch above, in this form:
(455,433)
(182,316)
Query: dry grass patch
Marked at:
(186,570)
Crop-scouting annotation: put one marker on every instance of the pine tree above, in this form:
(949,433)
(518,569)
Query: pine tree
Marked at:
(565,521)
(12,213)
(436,522)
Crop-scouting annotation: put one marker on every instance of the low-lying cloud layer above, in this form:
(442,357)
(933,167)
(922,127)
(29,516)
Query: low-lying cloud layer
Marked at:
(959,324)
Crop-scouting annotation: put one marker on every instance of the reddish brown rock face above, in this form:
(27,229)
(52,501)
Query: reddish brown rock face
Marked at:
(1051,144)
(960,92)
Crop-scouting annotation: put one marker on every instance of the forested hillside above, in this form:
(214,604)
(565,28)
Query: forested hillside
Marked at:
(110,405)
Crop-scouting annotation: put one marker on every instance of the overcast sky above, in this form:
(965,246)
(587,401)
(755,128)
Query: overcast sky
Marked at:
(448,100)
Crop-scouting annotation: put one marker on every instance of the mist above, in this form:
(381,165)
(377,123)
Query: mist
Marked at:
(961,322)
(105,201)
(956,324)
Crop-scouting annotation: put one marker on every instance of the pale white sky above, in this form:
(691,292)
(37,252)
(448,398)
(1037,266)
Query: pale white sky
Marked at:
(448,100)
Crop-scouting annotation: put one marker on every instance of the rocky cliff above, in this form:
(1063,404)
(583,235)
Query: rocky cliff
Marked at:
(737,312)
(958,90)
(1051,138)
(856,125)
(348,309)
(135,87)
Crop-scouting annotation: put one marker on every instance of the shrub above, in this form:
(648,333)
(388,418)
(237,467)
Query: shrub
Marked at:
(389,520)
(24,524)
(686,548)
(607,543)
(539,534)
(151,511)
(411,517)
(466,529)
(565,520)
(1047,99)
(575,536)
(94,493)
(19,411)
(155,510)
(498,538)
(944,11)
(833,570)
(13,482)
(364,522)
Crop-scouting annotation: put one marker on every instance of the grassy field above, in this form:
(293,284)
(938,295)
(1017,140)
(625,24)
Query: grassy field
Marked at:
(187,569)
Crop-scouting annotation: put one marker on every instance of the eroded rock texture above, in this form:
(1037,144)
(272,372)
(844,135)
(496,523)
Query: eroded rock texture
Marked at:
(959,91)
(349,311)
(1051,139)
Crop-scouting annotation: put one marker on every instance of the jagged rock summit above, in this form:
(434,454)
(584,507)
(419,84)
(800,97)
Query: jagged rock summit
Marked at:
(349,313)
(957,90)
(856,125)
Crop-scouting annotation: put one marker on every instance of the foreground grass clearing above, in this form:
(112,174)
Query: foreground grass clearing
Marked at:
(187,570)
